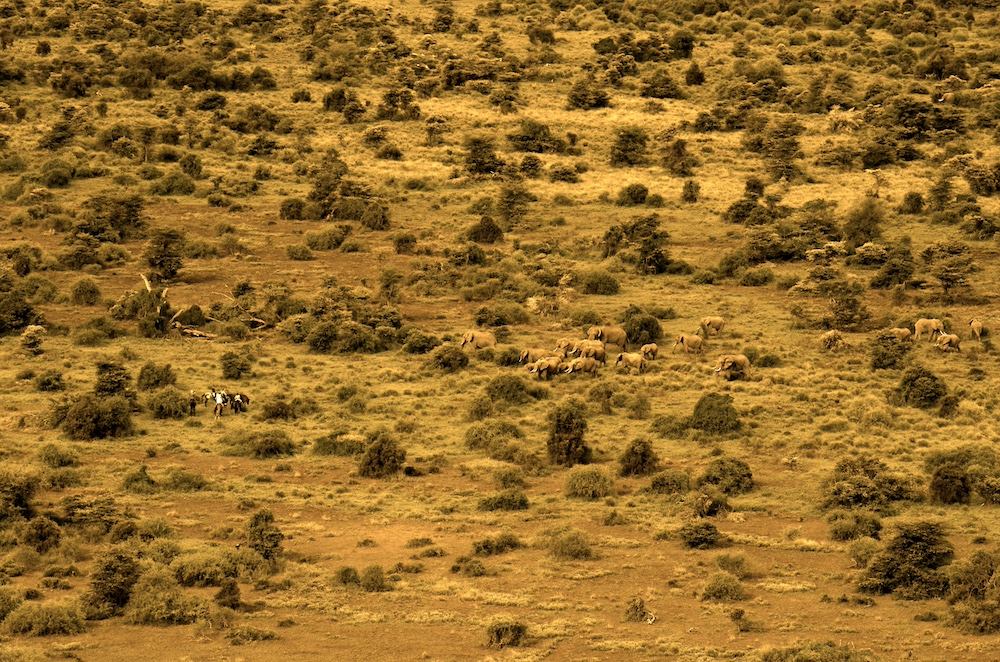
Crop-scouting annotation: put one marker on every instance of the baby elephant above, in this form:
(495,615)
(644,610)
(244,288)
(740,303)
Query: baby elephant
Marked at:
(585,364)
(631,360)
(649,351)
(902,334)
(977,328)
(948,341)
(690,343)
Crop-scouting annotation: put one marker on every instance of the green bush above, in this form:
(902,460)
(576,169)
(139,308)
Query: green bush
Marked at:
(234,366)
(348,576)
(641,327)
(499,544)
(483,435)
(10,600)
(486,231)
(112,579)
(85,292)
(504,633)
(57,457)
(139,481)
(589,483)
(671,481)
(865,482)
(729,475)
(700,535)
(510,499)
(921,388)
(168,403)
(568,424)
(45,619)
(756,277)
(92,417)
(299,252)
(373,580)
(263,536)
(887,351)
(723,586)
(41,534)
(335,444)
(571,546)
(153,377)
(502,313)
(950,483)
(632,195)
(638,459)
(846,526)
(157,599)
(910,564)
(450,358)
(508,388)
(599,282)
(715,413)
(382,458)
(418,342)
(50,381)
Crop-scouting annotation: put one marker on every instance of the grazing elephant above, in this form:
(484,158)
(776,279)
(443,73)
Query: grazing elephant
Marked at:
(690,343)
(479,340)
(585,364)
(977,328)
(711,324)
(733,363)
(650,351)
(596,353)
(532,355)
(609,335)
(581,345)
(902,334)
(631,360)
(545,368)
(932,327)
(948,341)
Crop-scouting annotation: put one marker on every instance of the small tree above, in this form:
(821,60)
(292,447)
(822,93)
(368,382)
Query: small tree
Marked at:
(481,157)
(921,388)
(111,581)
(382,458)
(566,445)
(864,222)
(163,254)
(629,148)
(263,536)
(715,413)
(887,350)
(639,459)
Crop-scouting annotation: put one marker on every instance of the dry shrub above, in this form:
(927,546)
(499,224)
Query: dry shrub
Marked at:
(152,377)
(862,551)
(709,502)
(382,458)
(910,564)
(671,481)
(636,612)
(737,565)
(57,457)
(348,576)
(846,526)
(589,483)
(41,534)
(571,546)
(950,483)
(157,599)
(865,482)
(504,633)
(729,475)
(168,403)
(566,445)
(723,586)
(245,634)
(450,358)
(500,544)
(700,535)
(638,459)
(510,499)
(921,388)
(339,443)
(261,445)
(93,417)
(715,413)
(45,619)
(373,580)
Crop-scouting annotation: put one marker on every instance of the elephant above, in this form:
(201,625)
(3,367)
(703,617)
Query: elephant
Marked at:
(902,333)
(566,344)
(597,353)
(931,327)
(690,343)
(650,351)
(532,355)
(479,340)
(609,335)
(733,363)
(585,364)
(547,367)
(977,328)
(948,341)
(709,324)
(582,345)
(631,360)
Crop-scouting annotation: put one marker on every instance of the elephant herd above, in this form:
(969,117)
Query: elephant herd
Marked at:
(934,330)
(588,355)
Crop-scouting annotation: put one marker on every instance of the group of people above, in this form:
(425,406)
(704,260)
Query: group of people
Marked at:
(219,399)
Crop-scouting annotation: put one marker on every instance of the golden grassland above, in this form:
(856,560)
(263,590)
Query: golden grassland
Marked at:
(799,417)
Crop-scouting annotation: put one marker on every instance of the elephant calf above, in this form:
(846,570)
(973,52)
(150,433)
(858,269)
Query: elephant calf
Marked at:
(650,351)
(977,328)
(479,340)
(708,325)
(948,341)
(585,364)
(902,334)
(690,343)
(631,360)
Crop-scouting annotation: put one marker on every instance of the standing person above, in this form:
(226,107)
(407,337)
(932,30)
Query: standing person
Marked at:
(219,401)
(192,403)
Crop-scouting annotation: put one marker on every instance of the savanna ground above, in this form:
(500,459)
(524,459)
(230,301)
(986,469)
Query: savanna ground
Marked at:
(321,257)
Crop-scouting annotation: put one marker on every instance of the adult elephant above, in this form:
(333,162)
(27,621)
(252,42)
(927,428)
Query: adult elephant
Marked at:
(949,341)
(585,364)
(629,361)
(733,363)
(977,328)
(932,327)
(690,343)
(609,335)
(479,340)
(709,325)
